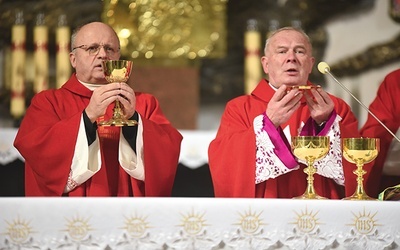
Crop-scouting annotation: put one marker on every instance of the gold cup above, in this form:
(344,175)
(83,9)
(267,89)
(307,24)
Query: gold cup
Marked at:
(117,71)
(360,151)
(310,149)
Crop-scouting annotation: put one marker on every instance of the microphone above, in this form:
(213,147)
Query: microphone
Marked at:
(324,68)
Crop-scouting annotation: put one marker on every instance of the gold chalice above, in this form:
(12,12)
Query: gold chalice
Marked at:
(310,149)
(360,151)
(117,71)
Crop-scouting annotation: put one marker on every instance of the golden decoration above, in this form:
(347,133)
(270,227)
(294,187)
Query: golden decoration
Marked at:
(19,230)
(78,228)
(250,222)
(136,226)
(117,71)
(310,149)
(307,221)
(360,151)
(168,29)
(373,57)
(193,223)
(364,222)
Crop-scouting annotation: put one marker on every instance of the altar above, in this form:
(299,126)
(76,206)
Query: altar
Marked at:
(197,223)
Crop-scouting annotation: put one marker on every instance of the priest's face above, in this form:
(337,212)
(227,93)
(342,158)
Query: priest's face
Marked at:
(93,43)
(288,59)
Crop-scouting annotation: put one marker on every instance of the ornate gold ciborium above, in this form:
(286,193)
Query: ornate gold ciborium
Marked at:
(310,149)
(360,151)
(117,71)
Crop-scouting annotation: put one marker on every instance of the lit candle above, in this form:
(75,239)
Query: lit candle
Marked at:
(41,55)
(18,39)
(63,66)
(252,64)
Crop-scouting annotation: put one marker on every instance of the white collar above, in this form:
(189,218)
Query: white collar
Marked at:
(91,86)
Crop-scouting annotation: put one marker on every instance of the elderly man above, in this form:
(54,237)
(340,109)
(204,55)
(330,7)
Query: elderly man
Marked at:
(67,154)
(251,154)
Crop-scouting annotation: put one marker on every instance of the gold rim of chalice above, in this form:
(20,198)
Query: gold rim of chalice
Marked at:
(362,149)
(117,70)
(316,146)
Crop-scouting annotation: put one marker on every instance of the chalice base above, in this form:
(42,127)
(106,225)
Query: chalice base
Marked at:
(307,196)
(118,123)
(359,197)
(118,119)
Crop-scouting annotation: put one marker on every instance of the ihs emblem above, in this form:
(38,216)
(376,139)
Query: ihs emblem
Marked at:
(364,223)
(78,228)
(18,231)
(193,223)
(136,226)
(306,221)
(250,222)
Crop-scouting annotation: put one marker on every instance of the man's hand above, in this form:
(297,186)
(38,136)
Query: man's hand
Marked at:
(282,105)
(319,104)
(107,94)
(128,100)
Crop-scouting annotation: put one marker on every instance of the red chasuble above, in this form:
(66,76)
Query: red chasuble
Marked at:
(232,154)
(47,138)
(387,108)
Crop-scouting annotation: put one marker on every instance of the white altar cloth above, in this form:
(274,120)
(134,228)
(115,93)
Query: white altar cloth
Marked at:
(197,223)
(194,147)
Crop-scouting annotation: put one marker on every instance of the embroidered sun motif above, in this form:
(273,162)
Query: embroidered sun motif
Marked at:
(193,223)
(78,228)
(364,223)
(136,226)
(306,221)
(19,231)
(250,222)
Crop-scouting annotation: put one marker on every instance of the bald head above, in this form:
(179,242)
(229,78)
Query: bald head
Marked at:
(90,27)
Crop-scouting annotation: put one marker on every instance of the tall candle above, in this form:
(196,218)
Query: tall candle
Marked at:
(273,25)
(63,66)
(41,55)
(252,64)
(18,54)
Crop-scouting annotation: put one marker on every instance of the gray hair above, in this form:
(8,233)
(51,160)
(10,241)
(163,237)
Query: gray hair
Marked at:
(267,42)
(73,36)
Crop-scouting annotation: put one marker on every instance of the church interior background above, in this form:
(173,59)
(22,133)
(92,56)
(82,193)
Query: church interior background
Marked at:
(192,54)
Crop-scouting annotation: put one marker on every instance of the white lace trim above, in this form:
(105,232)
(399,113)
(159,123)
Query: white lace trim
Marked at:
(268,165)
(331,166)
(71,183)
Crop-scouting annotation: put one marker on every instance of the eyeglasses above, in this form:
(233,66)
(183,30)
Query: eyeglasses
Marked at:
(95,48)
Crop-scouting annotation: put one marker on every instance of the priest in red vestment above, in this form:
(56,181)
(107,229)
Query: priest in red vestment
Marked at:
(385,106)
(251,154)
(67,154)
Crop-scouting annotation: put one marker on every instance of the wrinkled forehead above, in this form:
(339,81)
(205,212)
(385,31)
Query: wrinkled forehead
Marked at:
(289,38)
(97,34)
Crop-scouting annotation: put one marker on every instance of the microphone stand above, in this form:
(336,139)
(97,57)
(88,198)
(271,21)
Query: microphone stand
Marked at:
(324,68)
